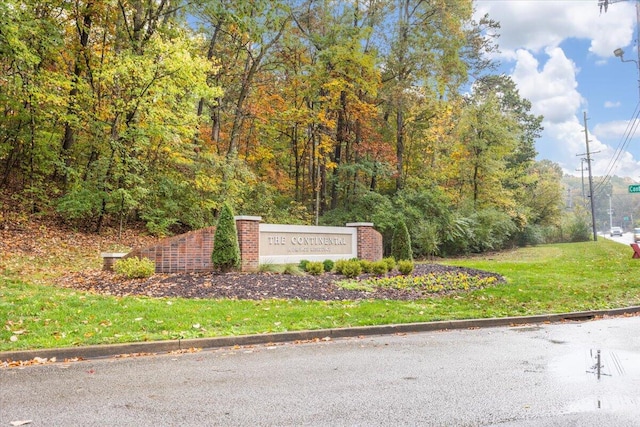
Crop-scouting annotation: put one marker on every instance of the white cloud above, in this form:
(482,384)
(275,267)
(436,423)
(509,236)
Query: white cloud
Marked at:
(536,25)
(552,90)
(533,43)
(566,140)
(620,129)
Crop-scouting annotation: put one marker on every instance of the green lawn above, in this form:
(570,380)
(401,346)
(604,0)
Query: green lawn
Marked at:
(540,280)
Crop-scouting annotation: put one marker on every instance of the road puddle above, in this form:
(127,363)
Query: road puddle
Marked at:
(604,403)
(601,379)
(598,364)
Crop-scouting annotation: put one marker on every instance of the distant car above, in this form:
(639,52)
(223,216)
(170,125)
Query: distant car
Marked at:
(615,231)
(636,235)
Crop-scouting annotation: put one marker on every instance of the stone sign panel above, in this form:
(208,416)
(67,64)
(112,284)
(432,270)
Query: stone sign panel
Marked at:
(280,244)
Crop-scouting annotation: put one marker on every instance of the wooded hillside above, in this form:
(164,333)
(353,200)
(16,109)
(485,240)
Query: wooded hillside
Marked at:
(300,111)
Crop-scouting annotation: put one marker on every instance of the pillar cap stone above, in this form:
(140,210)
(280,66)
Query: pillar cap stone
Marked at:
(359,224)
(247,218)
(113,254)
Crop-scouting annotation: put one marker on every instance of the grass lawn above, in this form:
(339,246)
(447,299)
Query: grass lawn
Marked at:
(540,280)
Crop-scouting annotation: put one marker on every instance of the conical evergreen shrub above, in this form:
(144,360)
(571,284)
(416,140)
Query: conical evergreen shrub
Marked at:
(401,243)
(226,250)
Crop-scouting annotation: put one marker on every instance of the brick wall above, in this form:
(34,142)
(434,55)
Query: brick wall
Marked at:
(188,252)
(369,241)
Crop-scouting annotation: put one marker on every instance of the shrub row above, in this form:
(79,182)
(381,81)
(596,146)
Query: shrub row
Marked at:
(136,268)
(354,267)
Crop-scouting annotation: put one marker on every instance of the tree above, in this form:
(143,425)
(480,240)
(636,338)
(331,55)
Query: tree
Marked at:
(486,138)
(244,33)
(401,243)
(226,250)
(423,61)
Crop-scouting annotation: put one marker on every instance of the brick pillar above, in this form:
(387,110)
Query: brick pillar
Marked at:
(110,258)
(369,241)
(249,241)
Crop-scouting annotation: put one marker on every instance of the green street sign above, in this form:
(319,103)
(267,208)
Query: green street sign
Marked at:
(635,188)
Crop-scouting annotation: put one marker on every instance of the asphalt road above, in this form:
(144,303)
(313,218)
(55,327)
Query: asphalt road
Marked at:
(626,238)
(532,375)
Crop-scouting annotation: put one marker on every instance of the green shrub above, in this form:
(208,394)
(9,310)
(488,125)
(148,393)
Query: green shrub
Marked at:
(405,267)
(366,265)
(531,234)
(302,265)
(401,243)
(579,229)
(134,267)
(339,265)
(492,230)
(391,263)
(379,267)
(328,265)
(226,250)
(314,268)
(352,269)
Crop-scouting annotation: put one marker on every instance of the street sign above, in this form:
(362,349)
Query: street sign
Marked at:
(635,188)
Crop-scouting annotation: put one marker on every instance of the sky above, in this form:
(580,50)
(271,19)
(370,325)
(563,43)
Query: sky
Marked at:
(560,55)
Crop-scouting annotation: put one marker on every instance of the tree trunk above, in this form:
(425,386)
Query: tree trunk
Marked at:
(399,149)
(68,139)
(341,137)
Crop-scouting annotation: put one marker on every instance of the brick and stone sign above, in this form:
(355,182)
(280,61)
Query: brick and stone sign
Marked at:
(282,244)
(264,244)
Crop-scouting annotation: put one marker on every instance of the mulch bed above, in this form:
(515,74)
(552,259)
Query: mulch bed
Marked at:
(250,286)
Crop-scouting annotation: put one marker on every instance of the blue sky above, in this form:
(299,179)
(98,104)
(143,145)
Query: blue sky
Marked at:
(560,55)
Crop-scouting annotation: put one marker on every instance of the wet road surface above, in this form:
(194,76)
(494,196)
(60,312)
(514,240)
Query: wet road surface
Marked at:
(569,374)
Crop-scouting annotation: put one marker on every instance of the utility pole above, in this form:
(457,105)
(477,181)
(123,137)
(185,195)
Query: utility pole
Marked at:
(588,154)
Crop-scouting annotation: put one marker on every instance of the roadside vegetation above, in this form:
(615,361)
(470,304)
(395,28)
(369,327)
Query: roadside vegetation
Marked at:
(34,313)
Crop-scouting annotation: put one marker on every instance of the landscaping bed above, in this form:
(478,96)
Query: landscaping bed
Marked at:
(258,286)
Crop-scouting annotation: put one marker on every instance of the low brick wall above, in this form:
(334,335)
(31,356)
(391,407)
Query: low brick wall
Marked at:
(191,252)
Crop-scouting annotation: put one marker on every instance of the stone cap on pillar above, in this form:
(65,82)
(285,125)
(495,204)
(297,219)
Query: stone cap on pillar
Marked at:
(359,224)
(247,218)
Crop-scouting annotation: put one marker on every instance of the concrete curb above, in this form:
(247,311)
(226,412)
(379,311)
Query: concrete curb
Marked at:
(155,347)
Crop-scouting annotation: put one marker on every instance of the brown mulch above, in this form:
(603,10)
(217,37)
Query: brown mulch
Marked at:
(251,286)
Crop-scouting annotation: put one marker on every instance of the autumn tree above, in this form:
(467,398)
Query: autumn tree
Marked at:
(423,60)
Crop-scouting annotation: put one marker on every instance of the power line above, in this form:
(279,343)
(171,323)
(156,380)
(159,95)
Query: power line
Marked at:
(629,133)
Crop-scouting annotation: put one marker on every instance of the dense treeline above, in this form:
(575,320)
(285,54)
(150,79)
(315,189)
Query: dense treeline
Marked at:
(296,110)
